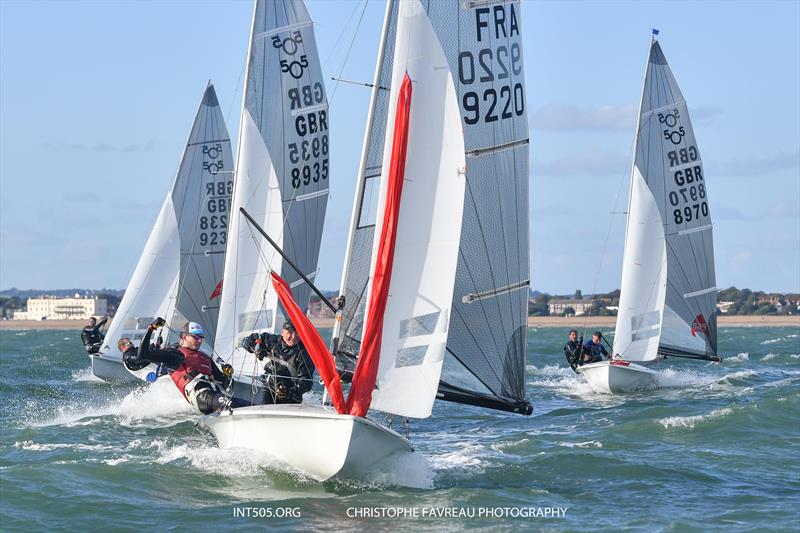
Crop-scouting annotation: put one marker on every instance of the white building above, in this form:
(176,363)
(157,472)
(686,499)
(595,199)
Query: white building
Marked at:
(57,308)
(557,307)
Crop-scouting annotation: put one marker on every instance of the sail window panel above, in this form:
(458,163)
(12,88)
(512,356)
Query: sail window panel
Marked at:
(137,322)
(255,320)
(647,333)
(369,201)
(412,356)
(646,320)
(419,325)
(355,288)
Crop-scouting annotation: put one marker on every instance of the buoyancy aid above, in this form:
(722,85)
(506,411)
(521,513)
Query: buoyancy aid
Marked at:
(194,363)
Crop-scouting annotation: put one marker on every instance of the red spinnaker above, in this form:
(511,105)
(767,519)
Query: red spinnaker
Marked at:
(367,368)
(313,342)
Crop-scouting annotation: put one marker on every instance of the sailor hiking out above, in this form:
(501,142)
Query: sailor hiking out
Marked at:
(194,373)
(91,337)
(289,370)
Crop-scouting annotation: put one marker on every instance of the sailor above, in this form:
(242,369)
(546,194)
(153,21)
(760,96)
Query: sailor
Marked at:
(193,372)
(128,350)
(91,337)
(289,371)
(573,349)
(593,350)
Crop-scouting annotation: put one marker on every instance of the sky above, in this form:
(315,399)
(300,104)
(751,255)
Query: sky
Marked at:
(96,100)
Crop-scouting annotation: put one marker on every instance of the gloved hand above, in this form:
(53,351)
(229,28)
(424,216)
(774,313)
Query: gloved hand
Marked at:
(157,323)
(228,371)
(280,392)
(249,342)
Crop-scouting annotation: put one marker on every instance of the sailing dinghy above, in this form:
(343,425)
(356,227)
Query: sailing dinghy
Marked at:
(179,274)
(436,271)
(668,295)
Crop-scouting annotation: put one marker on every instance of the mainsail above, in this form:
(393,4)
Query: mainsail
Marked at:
(668,294)
(465,62)
(281,176)
(182,261)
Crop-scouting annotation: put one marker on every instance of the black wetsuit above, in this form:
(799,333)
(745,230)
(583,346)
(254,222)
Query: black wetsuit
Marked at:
(209,397)
(289,367)
(92,338)
(573,351)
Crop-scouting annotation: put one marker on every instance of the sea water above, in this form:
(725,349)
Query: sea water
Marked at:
(716,449)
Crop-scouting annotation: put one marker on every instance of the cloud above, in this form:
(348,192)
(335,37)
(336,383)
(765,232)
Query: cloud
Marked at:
(590,163)
(741,260)
(724,212)
(98,147)
(757,166)
(611,117)
(784,208)
(567,118)
(84,197)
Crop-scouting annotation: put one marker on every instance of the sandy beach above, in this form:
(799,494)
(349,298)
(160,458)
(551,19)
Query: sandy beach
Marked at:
(605,322)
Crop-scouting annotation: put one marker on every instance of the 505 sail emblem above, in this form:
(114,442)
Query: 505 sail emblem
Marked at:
(289,44)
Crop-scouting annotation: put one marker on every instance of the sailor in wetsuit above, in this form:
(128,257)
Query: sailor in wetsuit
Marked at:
(289,371)
(193,372)
(573,350)
(91,337)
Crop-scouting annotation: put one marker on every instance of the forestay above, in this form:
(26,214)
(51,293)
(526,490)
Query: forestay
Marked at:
(181,266)
(668,293)
(476,46)
(281,176)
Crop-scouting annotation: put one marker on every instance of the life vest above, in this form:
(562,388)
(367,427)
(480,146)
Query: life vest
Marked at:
(194,363)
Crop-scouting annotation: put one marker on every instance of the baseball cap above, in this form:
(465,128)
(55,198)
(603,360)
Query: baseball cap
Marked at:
(193,328)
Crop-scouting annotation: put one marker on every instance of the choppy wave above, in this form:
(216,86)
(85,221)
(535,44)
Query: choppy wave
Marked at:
(692,421)
(147,403)
(740,358)
(587,444)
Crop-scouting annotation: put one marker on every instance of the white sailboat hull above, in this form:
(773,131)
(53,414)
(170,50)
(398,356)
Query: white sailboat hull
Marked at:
(110,369)
(614,377)
(313,440)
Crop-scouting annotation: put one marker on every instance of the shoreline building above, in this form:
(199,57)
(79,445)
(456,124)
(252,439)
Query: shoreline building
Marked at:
(59,308)
(557,307)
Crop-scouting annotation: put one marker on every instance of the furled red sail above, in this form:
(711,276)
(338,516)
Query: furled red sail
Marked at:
(367,369)
(313,343)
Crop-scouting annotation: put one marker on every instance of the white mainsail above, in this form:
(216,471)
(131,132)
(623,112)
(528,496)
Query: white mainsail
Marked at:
(281,176)
(181,264)
(668,293)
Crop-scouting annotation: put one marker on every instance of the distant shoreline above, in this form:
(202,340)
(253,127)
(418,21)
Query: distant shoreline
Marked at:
(606,322)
